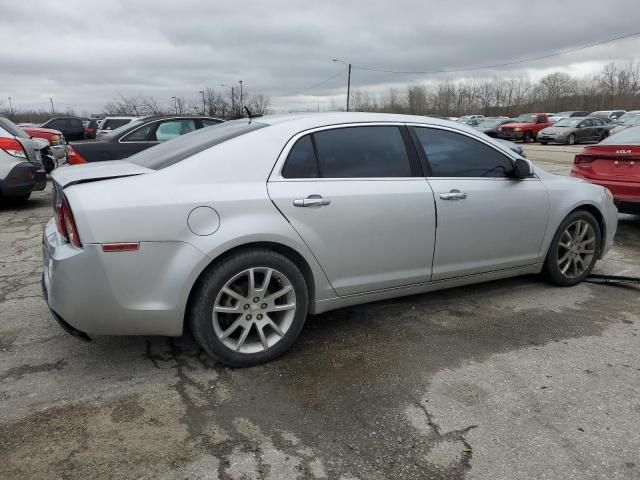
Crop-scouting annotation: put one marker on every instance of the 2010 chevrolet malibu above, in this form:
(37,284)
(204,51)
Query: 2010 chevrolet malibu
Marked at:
(240,230)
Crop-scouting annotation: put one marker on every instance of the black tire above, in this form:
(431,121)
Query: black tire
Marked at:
(551,269)
(20,198)
(214,279)
(544,143)
(571,139)
(527,137)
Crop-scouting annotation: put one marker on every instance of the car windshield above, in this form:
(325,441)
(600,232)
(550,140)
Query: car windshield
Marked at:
(185,146)
(123,128)
(629,136)
(490,123)
(527,118)
(567,122)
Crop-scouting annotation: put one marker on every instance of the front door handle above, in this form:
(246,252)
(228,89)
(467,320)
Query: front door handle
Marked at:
(311,201)
(453,195)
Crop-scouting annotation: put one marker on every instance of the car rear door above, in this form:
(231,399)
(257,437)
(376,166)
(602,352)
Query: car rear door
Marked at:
(357,197)
(585,130)
(487,220)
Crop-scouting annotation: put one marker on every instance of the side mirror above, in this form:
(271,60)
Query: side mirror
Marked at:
(522,169)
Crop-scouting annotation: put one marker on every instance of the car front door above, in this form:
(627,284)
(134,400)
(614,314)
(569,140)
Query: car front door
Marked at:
(358,199)
(585,130)
(487,220)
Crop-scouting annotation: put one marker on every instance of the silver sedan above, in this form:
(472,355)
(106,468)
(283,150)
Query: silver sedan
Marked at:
(239,231)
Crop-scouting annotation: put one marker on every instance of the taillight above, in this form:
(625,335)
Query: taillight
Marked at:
(582,159)
(74,157)
(12,147)
(64,219)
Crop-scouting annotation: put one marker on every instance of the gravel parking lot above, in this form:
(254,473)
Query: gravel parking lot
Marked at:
(506,380)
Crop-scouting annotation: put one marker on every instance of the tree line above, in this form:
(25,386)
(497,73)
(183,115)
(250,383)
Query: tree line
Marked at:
(615,86)
(225,104)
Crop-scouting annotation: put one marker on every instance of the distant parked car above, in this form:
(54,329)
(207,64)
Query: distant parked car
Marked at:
(21,168)
(71,127)
(471,120)
(574,130)
(109,124)
(627,120)
(557,116)
(610,115)
(90,128)
(489,125)
(54,137)
(614,163)
(135,137)
(524,127)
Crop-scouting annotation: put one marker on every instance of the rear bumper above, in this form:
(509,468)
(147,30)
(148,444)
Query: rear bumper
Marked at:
(23,179)
(511,135)
(125,293)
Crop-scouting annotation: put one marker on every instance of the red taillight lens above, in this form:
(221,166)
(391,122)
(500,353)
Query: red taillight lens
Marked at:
(64,219)
(12,147)
(74,157)
(582,159)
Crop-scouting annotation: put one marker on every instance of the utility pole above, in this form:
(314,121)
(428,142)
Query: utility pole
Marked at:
(10,108)
(348,79)
(204,104)
(52,109)
(348,87)
(241,104)
(175,104)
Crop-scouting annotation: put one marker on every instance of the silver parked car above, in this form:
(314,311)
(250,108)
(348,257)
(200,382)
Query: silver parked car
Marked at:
(238,231)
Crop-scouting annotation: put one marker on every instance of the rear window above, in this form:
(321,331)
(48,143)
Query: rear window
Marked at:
(170,153)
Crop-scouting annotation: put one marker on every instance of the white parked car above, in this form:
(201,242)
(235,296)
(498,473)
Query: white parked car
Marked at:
(239,230)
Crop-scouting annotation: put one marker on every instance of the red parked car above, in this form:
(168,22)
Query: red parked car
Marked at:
(614,163)
(525,127)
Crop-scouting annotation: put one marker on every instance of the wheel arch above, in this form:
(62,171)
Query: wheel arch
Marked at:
(296,257)
(595,211)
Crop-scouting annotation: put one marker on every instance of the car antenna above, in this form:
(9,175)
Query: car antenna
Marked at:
(251,115)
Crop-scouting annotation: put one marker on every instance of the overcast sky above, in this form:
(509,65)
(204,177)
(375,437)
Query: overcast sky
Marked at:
(83,54)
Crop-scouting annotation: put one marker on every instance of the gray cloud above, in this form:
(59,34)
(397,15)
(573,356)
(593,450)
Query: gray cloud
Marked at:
(84,54)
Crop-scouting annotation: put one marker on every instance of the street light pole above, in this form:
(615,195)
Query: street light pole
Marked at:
(348,79)
(10,108)
(241,104)
(52,109)
(204,104)
(175,104)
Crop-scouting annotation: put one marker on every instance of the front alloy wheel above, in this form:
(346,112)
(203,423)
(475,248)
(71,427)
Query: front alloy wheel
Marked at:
(248,308)
(574,249)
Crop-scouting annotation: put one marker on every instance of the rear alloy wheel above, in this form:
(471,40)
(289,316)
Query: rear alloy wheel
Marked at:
(250,308)
(571,139)
(574,250)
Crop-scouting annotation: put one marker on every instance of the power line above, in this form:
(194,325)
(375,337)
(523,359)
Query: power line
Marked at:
(515,62)
(317,84)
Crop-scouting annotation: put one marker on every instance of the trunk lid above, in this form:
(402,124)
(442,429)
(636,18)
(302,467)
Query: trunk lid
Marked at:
(621,163)
(92,172)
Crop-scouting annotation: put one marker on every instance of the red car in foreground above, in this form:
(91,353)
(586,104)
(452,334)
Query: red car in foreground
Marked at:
(614,163)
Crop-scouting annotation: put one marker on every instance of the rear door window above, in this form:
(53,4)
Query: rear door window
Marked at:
(113,123)
(301,162)
(361,152)
(141,134)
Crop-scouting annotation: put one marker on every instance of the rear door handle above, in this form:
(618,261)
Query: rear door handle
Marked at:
(453,195)
(311,201)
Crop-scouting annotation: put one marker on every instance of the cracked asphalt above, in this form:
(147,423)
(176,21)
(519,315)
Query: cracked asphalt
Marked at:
(512,379)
